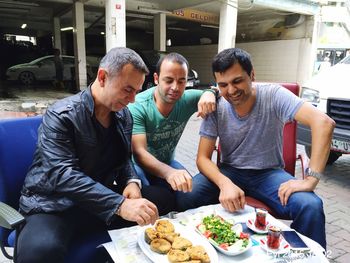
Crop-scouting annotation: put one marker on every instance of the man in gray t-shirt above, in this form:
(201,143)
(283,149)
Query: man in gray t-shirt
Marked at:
(249,122)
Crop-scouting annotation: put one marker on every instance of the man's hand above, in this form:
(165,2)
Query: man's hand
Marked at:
(140,210)
(231,197)
(206,104)
(132,191)
(291,186)
(180,180)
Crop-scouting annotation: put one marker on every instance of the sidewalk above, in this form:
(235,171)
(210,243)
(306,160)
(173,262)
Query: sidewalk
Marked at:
(333,189)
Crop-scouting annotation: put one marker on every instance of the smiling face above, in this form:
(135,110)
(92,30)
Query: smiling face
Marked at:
(119,90)
(235,85)
(171,82)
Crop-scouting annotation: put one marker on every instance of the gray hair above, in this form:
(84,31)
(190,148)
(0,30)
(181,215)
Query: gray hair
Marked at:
(118,57)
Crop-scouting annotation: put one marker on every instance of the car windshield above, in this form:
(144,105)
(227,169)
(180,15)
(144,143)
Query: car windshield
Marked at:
(38,60)
(346,60)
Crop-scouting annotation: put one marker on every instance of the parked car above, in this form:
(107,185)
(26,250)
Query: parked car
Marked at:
(329,91)
(42,69)
(151,57)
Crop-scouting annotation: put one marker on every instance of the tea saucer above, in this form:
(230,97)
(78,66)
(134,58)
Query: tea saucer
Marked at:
(251,225)
(283,249)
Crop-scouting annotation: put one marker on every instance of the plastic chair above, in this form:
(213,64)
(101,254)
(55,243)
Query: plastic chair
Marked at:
(289,153)
(18,138)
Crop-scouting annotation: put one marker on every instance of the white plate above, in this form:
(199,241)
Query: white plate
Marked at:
(251,225)
(184,232)
(234,249)
(283,249)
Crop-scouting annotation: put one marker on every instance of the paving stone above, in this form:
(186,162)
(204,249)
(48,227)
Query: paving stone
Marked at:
(344,258)
(344,234)
(333,253)
(333,240)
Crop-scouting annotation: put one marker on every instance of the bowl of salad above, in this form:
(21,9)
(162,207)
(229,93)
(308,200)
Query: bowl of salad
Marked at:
(226,237)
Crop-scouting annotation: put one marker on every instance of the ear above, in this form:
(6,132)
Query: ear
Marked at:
(252,75)
(155,78)
(101,76)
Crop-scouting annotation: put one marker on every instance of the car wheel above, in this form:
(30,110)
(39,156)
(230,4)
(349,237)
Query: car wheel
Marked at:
(333,156)
(26,78)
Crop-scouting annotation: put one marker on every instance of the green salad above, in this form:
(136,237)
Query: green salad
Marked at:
(214,227)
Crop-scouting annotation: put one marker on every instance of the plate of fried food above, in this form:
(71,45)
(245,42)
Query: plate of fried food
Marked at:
(168,241)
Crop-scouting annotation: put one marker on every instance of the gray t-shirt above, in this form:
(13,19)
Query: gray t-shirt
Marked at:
(255,140)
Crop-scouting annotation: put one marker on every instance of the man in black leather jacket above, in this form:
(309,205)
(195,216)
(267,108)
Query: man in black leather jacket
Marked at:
(82,181)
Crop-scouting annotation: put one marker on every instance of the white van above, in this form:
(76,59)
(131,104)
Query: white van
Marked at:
(329,91)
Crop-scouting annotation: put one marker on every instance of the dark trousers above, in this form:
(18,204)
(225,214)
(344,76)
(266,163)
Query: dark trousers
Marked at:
(55,237)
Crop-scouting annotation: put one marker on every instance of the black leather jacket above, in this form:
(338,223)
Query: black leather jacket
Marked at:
(61,175)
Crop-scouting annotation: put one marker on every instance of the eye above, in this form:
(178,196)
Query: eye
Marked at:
(128,89)
(182,82)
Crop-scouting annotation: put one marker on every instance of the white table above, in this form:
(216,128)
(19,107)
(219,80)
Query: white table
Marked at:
(124,247)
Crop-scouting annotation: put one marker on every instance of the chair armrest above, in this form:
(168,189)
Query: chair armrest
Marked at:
(9,217)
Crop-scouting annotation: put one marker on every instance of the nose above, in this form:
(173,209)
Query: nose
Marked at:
(175,86)
(131,97)
(231,89)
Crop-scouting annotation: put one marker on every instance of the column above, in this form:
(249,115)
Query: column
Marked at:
(57,33)
(159,32)
(228,24)
(115,24)
(79,44)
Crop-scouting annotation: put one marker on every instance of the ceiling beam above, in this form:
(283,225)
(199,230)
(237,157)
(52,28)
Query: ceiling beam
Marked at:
(296,6)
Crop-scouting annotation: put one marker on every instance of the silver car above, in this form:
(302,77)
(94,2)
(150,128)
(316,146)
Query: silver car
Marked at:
(42,69)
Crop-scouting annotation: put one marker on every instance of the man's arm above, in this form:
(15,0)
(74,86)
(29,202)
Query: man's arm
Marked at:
(180,180)
(231,196)
(207,102)
(321,131)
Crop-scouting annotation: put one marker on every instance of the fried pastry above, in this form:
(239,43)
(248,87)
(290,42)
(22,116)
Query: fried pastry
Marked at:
(198,253)
(181,243)
(164,226)
(176,255)
(160,245)
(150,234)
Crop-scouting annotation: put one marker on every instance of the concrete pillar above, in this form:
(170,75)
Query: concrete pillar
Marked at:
(228,24)
(57,33)
(159,29)
(79,44)
(314,43)
(115,24)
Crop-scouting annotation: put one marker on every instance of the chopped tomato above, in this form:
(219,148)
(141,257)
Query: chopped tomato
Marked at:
(224,246)
(207,233)
(243,235)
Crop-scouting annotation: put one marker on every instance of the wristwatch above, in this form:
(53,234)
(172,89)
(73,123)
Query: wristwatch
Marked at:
(309,172)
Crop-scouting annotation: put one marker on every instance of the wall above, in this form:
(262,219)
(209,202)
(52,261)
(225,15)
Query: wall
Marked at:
(278,61)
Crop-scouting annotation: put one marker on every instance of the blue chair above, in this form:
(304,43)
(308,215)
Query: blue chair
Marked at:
(18,138)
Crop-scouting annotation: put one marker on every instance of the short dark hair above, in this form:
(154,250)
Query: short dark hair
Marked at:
(173,57)
(118,57)
(228,57)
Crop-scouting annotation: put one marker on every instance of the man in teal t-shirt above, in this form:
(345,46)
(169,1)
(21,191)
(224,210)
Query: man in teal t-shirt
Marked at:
(160,116)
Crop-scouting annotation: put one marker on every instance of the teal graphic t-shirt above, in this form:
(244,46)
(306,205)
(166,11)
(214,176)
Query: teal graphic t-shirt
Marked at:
(162,133)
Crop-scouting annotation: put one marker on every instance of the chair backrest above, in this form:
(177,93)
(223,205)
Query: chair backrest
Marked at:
(18,138)
(289,136)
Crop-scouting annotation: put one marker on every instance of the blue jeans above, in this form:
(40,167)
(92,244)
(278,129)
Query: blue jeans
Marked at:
(304,208)
(148,179)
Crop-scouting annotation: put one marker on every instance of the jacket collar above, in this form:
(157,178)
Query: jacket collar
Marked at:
(88,100)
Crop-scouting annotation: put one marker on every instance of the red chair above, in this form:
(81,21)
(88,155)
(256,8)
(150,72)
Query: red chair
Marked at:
(289,153)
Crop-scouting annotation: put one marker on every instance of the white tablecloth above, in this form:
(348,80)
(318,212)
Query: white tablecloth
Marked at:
(124,247)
